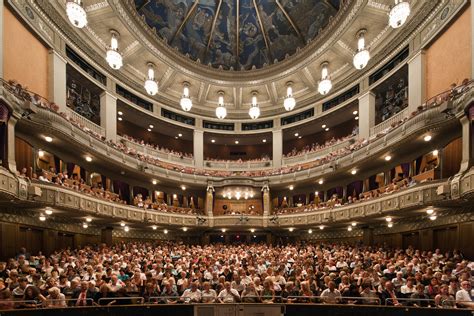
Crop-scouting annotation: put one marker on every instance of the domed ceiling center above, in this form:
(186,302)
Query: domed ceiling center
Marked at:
(237,34)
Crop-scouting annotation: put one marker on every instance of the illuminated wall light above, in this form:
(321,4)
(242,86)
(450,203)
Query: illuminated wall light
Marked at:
(327,129)
(165,231)
(252,230)
(388,219)
(183,187)
(429,211)
(42,217)
(435,152)
(154,182)
(40,153)
(353,171)
(297,134)
(355,112)
(180,135)
(88,219)
(175,196)
(185,102)
(85,225)
(154,227)
(88,158)
(427,138)
(388,158)
(49,139)
(126,228)
(236,142)
(291,229)
(321,181)
(120,113)
(119,118)
(185,229)
(321,227)
(323,126)
(390,225)
(433,217)
(254,111)
(122,224)
(310,231)
(213,140)
(223,230)
(151,126)
(349,228)
(356,118)
(291,187)
(113,57)
(353,223)
(264,140)
(48,211)
(148,129)
(151,86)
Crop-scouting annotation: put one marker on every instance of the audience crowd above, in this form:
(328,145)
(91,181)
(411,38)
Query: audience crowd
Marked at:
(171,273)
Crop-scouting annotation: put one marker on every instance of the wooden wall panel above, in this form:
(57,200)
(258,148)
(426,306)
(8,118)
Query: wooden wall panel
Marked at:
(8,240)
(23,154)
(453,44)
(451,158)
(466,238)
(445,238)
(241,206)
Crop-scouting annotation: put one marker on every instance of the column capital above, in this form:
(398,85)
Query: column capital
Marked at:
(58,55)
(367,93)
(419,53)
(108,94)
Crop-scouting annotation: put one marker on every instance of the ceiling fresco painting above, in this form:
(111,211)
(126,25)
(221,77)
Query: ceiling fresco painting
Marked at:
(237,34)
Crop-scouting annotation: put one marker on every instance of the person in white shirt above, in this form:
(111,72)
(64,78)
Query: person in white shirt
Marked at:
(56,298)
(228,294)
(192,295)
(208,295)
(331,295)
(463,297)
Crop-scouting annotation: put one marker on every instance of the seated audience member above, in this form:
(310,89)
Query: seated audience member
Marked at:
(331,295)
(55,299)
(444,299)
(83,296)
(463,297)
(192,295)
(388,295)
(419,298)
(228,294)
(208,295)
(32,297)
(169,294)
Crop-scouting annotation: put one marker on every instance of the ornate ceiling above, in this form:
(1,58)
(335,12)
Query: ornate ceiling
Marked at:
(237,34)
(300,63)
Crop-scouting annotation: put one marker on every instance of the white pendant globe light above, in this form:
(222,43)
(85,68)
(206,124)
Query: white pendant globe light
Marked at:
(399,14)
(254,110)
(76,13)
(325,83)
(362,56)
(185,102)
(221,111)
(113,57)
(289,103)
(151,86)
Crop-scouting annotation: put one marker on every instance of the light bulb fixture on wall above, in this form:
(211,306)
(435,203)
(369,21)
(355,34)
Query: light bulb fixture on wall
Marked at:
(289,103)
(254,110)
(362,56)
(185,102)
(151,86)
(399,14)
(221,111)
(113,57)
(76,13)
(325,83)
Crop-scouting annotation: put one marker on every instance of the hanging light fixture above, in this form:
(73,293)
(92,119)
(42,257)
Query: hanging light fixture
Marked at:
(362,56)
(185,102)
(151,86)
(113,57)
(325,84)
(399,14)
(76,13)
(289,103)
(221,111)
(254,110)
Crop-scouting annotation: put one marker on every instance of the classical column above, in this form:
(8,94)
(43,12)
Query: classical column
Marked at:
(467,142)
(108,115)
(198,144)
(57,80)
(366,114)
(277,144)
(209,200)
(266,200)
(416,81)
(11,160)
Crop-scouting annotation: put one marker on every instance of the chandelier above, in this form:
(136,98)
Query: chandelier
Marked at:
(151,86)
(221,111)
(325,84)
(399,14)
(254,110)
(76,13)
(289,103)
(185,102)
(113,57)
(362,56)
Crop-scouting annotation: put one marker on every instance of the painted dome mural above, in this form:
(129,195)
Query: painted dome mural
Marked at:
(268,30)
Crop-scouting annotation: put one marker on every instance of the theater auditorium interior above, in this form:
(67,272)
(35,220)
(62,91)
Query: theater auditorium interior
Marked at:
(236,157)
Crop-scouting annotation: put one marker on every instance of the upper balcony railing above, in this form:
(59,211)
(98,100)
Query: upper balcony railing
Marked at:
(336,153)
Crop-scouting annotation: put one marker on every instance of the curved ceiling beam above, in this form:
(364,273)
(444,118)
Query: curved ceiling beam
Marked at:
(185,20)
(264,34)
(290,20)
(212,28)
